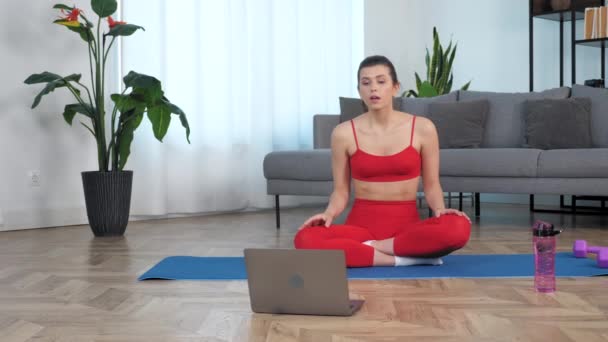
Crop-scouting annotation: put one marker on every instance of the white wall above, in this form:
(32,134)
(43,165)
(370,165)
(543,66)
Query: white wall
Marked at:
(40,139)
(493,52)
(492,38)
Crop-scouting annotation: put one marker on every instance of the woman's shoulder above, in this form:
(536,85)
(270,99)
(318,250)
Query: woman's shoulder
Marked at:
(343,130)
(423,124)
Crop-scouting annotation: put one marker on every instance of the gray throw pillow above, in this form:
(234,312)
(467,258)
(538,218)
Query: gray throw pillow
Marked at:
(351,107)
(558,124)
(505,126)
(599,112)
(420,105)
(459,124)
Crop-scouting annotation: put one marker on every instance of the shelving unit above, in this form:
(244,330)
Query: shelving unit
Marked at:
(569,15)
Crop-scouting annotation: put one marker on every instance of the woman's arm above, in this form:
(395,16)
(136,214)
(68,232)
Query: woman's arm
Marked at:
(429,151)
(341,176)
(340,171)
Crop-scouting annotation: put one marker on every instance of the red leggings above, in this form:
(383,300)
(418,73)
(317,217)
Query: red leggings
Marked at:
(379,220)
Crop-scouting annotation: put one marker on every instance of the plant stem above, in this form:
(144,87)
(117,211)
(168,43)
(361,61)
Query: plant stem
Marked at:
(73,91)
(88,93)
(103,78)
(81,101)
(112,148)
(100,129)
(89,129)
(91,67)
(116,141)
(105,56)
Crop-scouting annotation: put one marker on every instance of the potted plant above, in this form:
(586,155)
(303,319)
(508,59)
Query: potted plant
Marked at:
(439,75)
(108,190)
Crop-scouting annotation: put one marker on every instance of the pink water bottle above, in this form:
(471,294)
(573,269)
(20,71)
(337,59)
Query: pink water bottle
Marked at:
(543,239)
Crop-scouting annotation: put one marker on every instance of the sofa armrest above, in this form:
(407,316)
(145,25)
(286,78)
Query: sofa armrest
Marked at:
(323,125)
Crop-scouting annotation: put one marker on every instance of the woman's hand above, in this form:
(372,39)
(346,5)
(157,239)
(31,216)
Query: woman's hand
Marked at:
(449,211)
(322,219)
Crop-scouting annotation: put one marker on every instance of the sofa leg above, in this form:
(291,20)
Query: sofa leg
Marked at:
(531,202)
(477,204)
(276,211)
(460,201)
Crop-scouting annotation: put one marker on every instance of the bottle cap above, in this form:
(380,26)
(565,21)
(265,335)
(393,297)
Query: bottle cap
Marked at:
(542,228)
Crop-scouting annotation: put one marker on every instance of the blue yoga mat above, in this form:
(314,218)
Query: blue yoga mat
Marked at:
(454,266)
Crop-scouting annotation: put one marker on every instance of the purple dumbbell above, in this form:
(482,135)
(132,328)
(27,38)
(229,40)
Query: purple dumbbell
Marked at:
(581,249)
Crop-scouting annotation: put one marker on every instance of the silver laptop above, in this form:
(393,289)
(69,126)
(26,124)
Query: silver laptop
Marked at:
(299,281)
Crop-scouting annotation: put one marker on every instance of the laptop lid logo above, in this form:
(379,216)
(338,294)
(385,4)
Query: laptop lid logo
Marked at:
(296,281)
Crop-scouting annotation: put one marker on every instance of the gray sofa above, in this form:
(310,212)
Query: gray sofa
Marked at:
(500,165)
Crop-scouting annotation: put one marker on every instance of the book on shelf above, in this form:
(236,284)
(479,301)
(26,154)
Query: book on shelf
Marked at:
(589,13)
(596,22)
(602,25)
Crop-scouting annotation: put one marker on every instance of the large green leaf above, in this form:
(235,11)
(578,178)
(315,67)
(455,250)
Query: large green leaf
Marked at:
(427,90)
(125,136)
(124,30)
(124,103)
(70,111)
(137,80)
(160,117)
(63,7)
(73,77)
(182,116)
(85,32)
(147,86)
(68,114)
(51,86)
(44,77)
(104,8)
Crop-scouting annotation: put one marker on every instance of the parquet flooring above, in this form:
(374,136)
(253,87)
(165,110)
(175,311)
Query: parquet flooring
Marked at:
(61,284)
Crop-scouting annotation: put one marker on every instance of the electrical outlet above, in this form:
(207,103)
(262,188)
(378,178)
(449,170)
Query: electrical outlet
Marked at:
(34,178)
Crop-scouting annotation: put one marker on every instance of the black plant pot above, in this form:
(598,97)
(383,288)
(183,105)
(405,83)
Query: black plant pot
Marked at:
(108,199)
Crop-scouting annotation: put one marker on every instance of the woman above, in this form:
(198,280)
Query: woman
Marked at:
(386,152)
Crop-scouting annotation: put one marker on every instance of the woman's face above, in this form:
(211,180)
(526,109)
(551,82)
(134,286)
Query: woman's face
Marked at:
(376,87)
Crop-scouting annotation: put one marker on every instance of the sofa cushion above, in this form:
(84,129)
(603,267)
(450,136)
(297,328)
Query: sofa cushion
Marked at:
(554,124)
(504,127)
(420,105)
(459,124)
(574,163)
(351,107)
(489,162)
(299,165)
(599,112)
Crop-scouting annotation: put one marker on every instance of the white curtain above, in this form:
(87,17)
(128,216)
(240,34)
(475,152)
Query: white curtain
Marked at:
(250,75)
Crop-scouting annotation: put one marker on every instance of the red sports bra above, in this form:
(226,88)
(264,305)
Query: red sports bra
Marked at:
(395,167)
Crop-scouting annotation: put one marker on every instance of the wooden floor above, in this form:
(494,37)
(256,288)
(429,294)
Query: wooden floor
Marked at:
(61,284)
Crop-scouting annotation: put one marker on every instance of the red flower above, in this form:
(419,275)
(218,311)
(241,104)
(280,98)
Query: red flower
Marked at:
(72,15)
(113,23)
